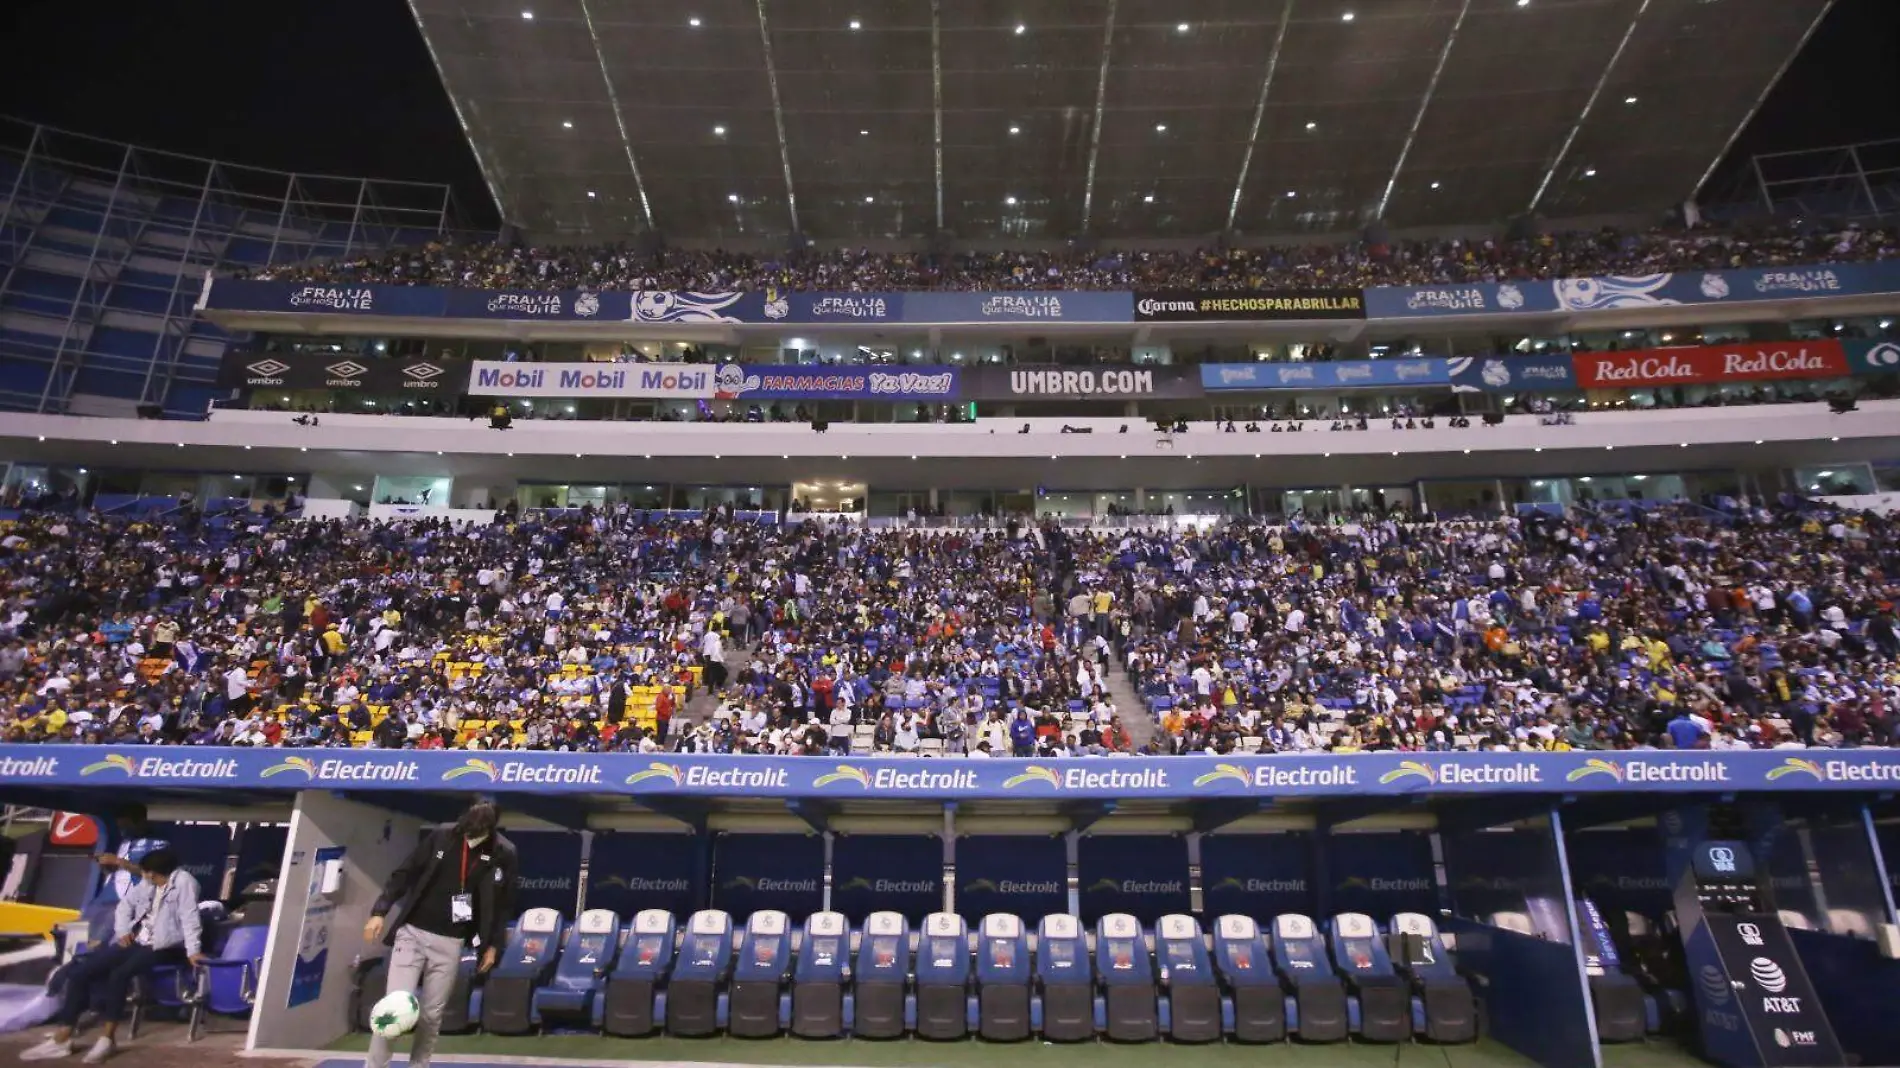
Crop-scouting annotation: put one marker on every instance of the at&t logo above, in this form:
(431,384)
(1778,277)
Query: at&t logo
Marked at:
(1768,975)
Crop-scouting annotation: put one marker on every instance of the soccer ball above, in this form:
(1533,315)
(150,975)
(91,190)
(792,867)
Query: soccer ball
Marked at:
(395,1015)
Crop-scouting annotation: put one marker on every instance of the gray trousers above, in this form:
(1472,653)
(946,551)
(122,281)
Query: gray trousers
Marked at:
(425,964)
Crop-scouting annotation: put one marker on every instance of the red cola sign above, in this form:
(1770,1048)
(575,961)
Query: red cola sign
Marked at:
(1750,361)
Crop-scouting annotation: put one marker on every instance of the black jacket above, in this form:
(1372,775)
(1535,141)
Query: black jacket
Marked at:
(493,872)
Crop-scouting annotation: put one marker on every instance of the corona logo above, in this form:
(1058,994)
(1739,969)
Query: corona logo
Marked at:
(1409,769)
(299,765)
(1596,766)
(844,773)
(1224,771)
(656,770)
(1796,766)
(1032,774)
(473,766)
(115,762)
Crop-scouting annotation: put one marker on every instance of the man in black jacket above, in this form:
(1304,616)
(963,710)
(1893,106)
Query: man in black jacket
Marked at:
(457,886)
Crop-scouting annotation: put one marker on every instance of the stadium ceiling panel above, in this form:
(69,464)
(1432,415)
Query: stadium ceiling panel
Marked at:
(1040,119)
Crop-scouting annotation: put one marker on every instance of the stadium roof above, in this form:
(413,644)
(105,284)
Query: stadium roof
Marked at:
(1037,119)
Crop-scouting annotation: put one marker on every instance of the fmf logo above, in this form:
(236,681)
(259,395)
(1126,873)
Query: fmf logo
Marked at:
(657,771)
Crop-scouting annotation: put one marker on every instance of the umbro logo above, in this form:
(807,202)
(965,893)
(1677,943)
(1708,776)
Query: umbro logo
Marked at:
(267,368)
(423,371)
(347,369)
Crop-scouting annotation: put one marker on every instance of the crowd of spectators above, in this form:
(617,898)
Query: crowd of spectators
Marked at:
(1447,262)
(595,630)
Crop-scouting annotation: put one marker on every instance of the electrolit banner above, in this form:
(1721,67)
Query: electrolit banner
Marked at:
(1021,874)
(1512,374)
(1621,869)
(1258,875)
(1381,873)
(202,849)
(1143,875)
(550,867)
(1623,292)
(873,872)
(145,770)
(768,871)
(629,872)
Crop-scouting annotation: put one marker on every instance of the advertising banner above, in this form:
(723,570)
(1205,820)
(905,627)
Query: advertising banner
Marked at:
(1279,304)
(145,769)
(1622,292)
(313,941)
(1771,990)
(550,864)
(1748,361)
(1035,306)
(628,872)
(781,306)
(239,294)
(1351,374)
(1257,874)
(1382,873)
(1873,357)
(416,377)
(728,381)
(1144,875)
(1022,874)
(901,873)
(1038,382)
(1512,374)
(768,871)
(556,305)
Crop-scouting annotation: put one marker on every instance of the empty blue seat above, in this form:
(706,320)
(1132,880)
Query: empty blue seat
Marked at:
(696,998)
(1002,978)
(943,996)
(1190,1003)
(759,976)
(582,970)
(1125,969)
(1064,1005)
(526,964)
(881,991)
(230,979)
(1253,1004)
(1443,1009)
(635,1000)
(1381,998)
(821,1007)
(1319,998)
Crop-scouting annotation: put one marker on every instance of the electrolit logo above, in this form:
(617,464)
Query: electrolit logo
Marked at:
(1262,886)
(1012,886)
(1652,771)
(157,767)
(844,773)
(562,774)
(642,884)
(44,767)
(1224,772)
(294,765)
(1135,886)
(1034,773)
(1796,766)
(767,885)
(891,886)
(1378,885)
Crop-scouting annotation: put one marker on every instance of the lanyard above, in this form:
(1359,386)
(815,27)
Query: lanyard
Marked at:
(464,865)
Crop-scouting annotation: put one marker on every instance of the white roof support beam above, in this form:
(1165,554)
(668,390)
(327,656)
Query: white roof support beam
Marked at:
(1101,104)
(620,119)
(1424,104)
(778,116)
(1259,113)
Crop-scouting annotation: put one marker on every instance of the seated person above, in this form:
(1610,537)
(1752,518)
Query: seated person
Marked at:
(156,923)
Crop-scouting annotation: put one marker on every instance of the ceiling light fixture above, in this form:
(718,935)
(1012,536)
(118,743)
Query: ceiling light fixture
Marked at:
(1149,199)
(1011,201)
(868,199)
(1015,129)
(1629,100)
(1021,29)
(1434,185)
(864,133)
(567,124)
(1312,125)
(1161,127)
(732,197)
(693,22)
(856,25)
(1590,173)
(590,194)
(1291,193)
(719,131)
(1347,17)
(528,16)
(1182,28)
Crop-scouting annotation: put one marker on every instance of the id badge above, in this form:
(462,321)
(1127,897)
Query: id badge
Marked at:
(462,909)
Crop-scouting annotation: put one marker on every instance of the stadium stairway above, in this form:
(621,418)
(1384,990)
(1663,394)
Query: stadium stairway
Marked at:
(1140,725)
(700,709)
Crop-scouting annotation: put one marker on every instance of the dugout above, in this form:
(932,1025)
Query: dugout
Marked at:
(1473,841)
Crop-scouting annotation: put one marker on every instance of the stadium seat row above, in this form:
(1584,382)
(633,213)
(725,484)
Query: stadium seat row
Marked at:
(1004,981)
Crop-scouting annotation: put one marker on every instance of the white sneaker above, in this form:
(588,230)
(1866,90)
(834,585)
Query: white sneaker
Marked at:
(100,1050)
(48,1050)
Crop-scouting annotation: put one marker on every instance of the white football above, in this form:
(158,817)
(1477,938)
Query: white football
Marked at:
(396,1014)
